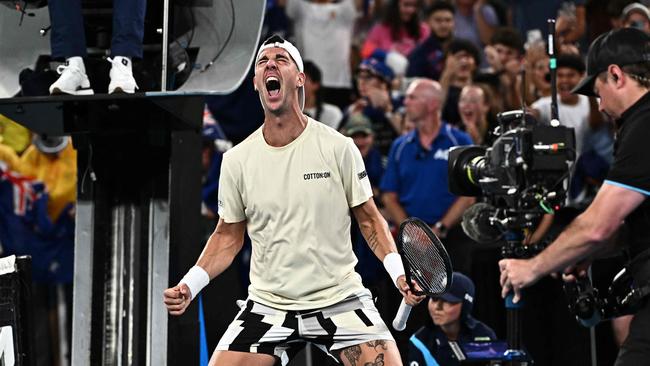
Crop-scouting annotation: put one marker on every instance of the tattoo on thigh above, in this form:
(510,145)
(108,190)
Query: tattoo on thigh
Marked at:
(352,354)
(380,344)
(379,361)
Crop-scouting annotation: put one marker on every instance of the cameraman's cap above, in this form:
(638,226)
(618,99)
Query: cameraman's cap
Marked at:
(462,290)
(279,42)
(358,123)
(620,47)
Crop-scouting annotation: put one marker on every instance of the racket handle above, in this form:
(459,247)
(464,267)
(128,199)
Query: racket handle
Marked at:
(399,323)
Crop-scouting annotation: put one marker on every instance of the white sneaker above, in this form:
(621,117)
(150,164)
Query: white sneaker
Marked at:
(121,74)
(73,80)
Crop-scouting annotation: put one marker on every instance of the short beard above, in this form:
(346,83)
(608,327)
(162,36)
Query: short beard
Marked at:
(279,111)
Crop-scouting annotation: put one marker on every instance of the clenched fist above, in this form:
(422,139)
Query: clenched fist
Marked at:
(177,299)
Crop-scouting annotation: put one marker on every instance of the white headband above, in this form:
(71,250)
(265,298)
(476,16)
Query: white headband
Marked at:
(285,45)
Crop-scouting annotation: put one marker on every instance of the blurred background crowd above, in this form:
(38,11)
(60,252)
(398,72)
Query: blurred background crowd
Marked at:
(364,61)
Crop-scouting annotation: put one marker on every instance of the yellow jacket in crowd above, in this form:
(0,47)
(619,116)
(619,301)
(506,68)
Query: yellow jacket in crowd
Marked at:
(57,171)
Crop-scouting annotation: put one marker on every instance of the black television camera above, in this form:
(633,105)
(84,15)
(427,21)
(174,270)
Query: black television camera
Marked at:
(590,307)
(523,175)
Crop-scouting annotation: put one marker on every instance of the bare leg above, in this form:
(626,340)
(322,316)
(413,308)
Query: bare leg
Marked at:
(373,353)
(232,358)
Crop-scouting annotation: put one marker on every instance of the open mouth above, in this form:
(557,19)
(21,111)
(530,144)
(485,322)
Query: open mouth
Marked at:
(273,86)
(467,113)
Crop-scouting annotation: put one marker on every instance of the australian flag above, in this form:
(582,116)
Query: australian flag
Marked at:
(26,228)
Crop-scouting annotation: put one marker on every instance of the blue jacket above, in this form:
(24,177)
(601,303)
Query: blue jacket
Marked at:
(429,345)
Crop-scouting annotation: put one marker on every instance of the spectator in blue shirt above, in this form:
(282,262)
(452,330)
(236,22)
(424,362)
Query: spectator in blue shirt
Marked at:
(415,181)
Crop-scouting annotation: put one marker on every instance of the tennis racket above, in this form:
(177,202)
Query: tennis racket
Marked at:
(425,261)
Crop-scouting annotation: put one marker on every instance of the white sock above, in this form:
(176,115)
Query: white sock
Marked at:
(77,61)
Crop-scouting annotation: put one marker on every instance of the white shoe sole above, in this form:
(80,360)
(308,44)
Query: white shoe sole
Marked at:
(119,90)
(57,91)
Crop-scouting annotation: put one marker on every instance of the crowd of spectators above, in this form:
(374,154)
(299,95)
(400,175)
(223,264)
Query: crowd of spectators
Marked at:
(413,78)
(38,181)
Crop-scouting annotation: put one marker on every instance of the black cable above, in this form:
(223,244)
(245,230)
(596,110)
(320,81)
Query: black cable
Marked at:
(183,46)
(223,47)
(568,172)
(23,12)
(192,28)
(89,169)
(193,25)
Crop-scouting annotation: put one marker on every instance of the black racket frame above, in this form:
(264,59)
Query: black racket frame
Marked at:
(407,265)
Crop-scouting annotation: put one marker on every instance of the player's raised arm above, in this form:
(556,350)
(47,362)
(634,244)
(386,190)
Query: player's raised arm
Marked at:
(220,250)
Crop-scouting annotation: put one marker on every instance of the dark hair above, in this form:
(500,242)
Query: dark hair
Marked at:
(438,6)
(274,38)
(313,71)
(639,72)
(393,20)
(508,37)
(458,44)
(571,61)
(614,8)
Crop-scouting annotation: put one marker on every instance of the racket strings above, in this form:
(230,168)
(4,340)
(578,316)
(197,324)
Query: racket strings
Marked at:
(427,264)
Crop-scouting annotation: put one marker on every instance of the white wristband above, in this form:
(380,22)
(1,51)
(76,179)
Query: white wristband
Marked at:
(394,266)
(196,279)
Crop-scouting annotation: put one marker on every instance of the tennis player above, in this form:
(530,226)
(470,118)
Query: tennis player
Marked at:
(292,184)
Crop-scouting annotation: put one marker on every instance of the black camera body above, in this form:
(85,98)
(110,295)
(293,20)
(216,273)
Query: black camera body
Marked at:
(521,176)
(590,307)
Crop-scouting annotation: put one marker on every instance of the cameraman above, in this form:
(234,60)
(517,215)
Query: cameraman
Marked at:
(618,72)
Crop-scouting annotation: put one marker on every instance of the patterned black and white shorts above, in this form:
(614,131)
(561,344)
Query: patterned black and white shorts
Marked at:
(259,328)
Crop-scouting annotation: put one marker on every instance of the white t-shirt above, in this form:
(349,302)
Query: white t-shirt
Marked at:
(296,200)
(330,115)
(324,36)
(575,116)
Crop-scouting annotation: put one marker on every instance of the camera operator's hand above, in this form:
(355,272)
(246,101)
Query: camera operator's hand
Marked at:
(571,273)
(409,297)
(515,275)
